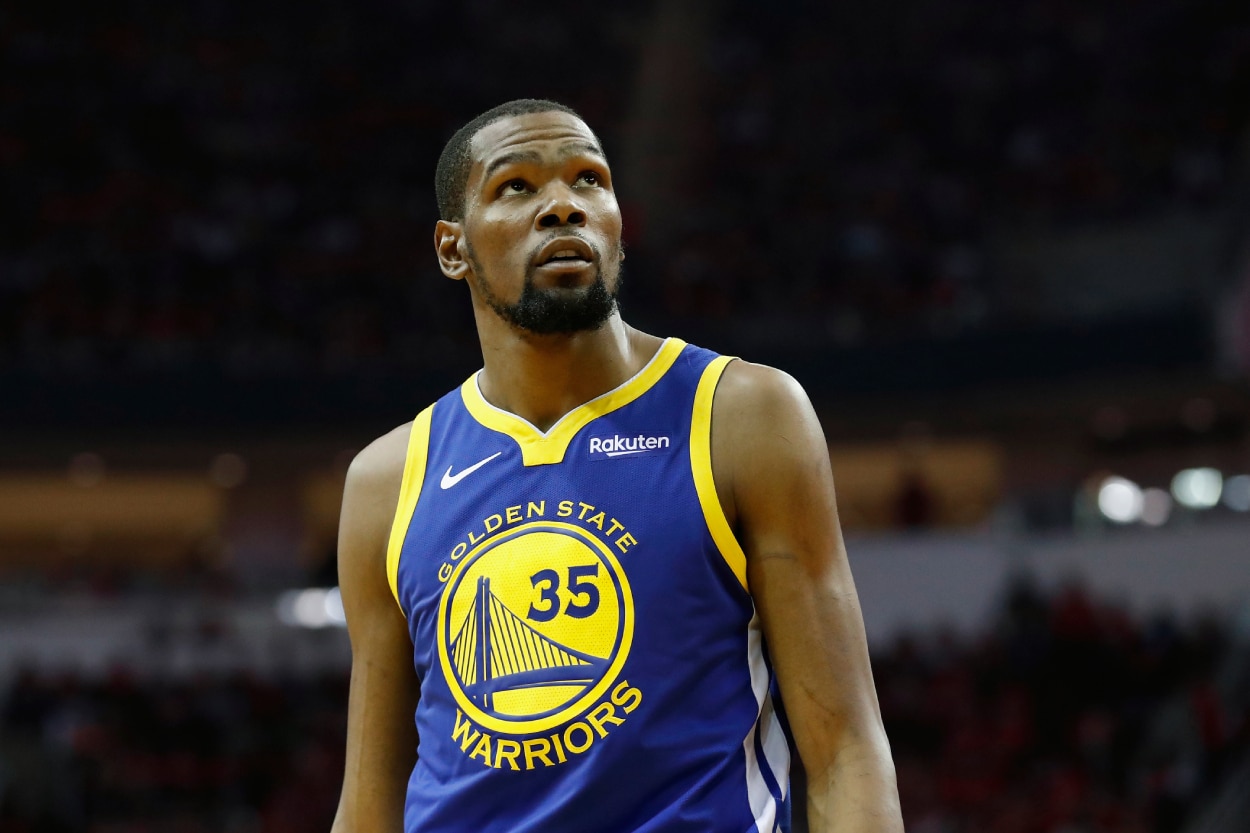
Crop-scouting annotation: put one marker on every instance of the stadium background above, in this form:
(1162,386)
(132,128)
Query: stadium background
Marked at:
(1005,246)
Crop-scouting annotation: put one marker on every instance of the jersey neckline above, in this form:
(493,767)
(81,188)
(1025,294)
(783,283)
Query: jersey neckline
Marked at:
(540,448)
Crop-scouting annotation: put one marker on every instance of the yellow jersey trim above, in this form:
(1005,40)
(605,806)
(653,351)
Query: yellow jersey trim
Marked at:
(409,492)
(701,466)
(542,448)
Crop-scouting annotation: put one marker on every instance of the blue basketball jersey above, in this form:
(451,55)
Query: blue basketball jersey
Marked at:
(589,656)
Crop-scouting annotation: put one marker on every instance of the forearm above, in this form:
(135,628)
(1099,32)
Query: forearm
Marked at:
(855,793)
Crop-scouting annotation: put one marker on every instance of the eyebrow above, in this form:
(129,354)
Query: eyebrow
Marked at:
(532,156)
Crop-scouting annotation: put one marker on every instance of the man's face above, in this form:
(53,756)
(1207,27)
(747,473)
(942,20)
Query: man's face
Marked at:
(542,229)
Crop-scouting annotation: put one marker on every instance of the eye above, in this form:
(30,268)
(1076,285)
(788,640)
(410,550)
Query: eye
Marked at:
(589,178)
(514,186)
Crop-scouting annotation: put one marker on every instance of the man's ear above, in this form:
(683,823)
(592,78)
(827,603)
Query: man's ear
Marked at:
(447,237)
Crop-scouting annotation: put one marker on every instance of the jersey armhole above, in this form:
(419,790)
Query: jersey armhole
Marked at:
(409,492)
(701,467)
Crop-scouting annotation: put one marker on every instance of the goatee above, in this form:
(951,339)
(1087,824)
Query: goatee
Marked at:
(555,311)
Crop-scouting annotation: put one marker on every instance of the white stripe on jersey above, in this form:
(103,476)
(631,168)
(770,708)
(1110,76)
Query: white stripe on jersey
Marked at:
(772,739)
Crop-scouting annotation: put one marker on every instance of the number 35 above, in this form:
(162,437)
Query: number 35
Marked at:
(583,593)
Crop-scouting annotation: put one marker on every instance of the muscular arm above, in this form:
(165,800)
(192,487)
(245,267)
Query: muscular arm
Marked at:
(381,739)
(772,472)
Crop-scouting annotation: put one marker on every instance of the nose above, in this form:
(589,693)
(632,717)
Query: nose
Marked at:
(562,210)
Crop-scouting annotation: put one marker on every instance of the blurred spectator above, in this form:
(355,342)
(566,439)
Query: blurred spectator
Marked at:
(914,502)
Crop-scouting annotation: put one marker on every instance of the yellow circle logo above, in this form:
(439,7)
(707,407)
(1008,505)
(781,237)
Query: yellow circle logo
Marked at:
(534,626)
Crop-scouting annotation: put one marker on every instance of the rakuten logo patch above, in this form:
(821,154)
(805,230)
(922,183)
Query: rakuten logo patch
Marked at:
(618,446)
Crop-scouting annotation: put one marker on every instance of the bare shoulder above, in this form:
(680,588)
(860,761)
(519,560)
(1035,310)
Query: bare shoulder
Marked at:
(379,467)
(756,391)
(763,428)
(762,409)
(370,498)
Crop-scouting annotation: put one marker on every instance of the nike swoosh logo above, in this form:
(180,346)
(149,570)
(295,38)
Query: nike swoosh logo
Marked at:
(450,480)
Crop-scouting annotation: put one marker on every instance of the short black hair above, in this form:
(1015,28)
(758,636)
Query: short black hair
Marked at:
(452,174)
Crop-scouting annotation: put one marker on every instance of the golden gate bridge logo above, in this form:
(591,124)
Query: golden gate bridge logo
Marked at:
(535,624)
(496,650)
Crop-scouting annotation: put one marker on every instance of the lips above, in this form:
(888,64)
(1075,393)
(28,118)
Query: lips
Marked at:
(565,250)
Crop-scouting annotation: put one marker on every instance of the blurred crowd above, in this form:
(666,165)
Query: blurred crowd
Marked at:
(124,755)
(876,155)
(1067,716)
(248,187)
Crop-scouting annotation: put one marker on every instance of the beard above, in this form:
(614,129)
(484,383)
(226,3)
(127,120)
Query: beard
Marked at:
(558,310)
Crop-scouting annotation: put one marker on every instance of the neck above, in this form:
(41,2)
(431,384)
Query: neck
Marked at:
(540,378)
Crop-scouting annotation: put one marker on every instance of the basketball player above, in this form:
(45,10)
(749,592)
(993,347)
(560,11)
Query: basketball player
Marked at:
(590,570)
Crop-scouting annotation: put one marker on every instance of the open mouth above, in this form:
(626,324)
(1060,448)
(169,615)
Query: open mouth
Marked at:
(565,256)
(568,251)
